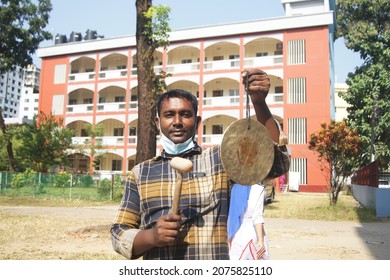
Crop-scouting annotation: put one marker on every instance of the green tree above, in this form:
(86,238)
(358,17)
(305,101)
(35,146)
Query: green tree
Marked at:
(151,33)
(93,145)
(45,143)
(22,24)
(338,149)
(5,139)
(365,27)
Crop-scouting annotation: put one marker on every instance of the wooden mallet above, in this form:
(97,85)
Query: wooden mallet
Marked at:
(180,165)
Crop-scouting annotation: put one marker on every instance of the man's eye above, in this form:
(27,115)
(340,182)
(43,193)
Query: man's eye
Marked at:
(187,115)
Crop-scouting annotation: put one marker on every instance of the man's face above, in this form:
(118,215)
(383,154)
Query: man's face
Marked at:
(177,119)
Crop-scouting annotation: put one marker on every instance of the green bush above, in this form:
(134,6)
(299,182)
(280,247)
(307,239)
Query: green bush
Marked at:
(86,181)
(18,180)
(104,188)
(62,180)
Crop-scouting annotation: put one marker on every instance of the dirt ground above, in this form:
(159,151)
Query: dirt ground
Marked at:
(87,236)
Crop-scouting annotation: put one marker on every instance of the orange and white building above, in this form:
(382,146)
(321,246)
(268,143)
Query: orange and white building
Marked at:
(94,81)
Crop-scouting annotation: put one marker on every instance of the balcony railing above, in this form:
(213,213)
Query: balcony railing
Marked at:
(274,98)
(221,101)
(79,109)
(212,139)
(222,64)
(111,107)
(183,68)
(81,140)
(82,77)
(263,61)
(113,74)
(271,60)
(111,140)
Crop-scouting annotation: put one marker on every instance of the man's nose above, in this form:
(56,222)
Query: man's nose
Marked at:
(177,120)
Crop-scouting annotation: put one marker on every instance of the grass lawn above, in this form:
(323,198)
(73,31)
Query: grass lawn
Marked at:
(316,206)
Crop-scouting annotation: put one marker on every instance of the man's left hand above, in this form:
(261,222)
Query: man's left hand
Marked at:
(257,84)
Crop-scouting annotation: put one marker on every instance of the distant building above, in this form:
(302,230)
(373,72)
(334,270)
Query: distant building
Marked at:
(94,81)
(19,92)
(340,104)
(11,84)
(30,93)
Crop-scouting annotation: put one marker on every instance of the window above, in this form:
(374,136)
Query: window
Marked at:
(217,93)
(234,56)
(60,74)
(116,165)
(300,165)
(234,93)
(296,52)
(132,131)
(119,99)
(87,101)
(260,54)
(217,129)
(297,131)
(296,90)
(118,131)
(72,101)
(57,106)
(279,89)
(218,57)
(83,132)
(184,61)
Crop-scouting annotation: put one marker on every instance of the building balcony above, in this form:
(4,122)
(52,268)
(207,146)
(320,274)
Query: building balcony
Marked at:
(79,109)
(274,60)
(111,140)
(227,64)
(82,77)
(111,107)
(183,68)
(113,74)
(221,101)
(212,139)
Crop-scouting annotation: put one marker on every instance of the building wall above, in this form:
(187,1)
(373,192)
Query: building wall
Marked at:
(316,109)
(29,100)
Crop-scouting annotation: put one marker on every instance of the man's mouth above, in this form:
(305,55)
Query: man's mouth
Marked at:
(177,133)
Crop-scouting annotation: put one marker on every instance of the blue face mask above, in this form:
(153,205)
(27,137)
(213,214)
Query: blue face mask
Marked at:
(175,149)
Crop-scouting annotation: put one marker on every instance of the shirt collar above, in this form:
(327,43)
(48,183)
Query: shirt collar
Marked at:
(196,150)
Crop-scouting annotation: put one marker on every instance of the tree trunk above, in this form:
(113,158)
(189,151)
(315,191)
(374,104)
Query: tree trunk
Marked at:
(11,159)
(146,131)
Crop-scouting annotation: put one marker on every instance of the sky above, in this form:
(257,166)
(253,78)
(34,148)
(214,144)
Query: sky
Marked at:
(117,18)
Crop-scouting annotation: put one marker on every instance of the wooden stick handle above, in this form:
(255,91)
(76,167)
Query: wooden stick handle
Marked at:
(177,193)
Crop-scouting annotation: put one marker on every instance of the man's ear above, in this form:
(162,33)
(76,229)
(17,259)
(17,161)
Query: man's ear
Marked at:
(157,123)
(198,121)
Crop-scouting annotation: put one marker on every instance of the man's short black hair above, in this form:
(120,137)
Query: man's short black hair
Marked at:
(177,93)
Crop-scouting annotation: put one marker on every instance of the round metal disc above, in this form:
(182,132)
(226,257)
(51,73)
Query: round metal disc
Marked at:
(247,152)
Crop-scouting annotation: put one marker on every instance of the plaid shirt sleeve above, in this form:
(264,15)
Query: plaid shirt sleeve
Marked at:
(127,220)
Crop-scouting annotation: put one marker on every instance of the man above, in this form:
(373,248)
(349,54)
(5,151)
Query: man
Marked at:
(144,226)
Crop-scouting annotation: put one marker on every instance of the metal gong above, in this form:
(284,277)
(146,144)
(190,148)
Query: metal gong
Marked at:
(247,152)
